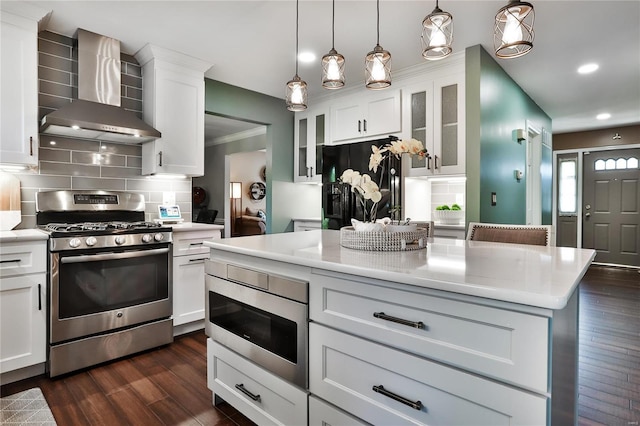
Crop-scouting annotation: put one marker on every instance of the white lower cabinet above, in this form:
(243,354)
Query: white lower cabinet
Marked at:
(189,255)
(23,301)
(261,396)
(497,343)
(386,386)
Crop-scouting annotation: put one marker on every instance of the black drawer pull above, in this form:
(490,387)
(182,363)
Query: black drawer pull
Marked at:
(242,389)
(415,405)
(200,259)
(39,297)
(414,324)
(196,244)
(10,261)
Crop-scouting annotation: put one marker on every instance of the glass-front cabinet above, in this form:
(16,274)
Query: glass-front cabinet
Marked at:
(311,130)
(434,114)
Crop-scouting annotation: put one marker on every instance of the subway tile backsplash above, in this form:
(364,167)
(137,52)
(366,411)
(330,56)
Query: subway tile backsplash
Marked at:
(82,164)
(447,192)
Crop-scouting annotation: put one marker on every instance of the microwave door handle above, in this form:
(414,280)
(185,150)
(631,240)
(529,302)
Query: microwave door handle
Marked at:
(113,256)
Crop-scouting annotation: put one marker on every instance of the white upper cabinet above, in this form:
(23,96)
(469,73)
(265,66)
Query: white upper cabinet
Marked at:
(364,117)
(173,102)
(19,87)
(310,134)
(433,112)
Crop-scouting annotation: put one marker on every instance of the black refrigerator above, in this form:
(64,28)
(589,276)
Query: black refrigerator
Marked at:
(339,203)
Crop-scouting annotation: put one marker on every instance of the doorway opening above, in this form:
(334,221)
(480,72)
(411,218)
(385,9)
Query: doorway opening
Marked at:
(598,203)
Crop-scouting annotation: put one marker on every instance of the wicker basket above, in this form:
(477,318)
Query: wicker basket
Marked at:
(383,241)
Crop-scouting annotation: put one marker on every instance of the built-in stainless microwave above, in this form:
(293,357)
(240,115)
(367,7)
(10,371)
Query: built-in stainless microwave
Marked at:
(261,316)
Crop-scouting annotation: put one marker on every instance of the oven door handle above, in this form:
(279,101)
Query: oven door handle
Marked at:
(113,256)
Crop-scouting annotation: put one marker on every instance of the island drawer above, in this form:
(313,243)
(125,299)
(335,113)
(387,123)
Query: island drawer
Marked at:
(264,398)
(23,258)
(499,343)
(382,385)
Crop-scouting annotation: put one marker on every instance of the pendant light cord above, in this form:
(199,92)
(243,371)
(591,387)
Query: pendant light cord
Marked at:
(378,22)
(297,3)
(333,25)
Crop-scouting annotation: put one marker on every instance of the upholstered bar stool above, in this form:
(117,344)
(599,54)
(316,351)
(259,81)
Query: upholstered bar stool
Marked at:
(517,234)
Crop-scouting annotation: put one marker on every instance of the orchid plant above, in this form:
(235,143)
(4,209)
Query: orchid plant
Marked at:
(367,191)
(396,148)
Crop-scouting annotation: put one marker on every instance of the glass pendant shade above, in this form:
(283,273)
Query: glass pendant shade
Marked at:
(378,69)
(377,63)
(513,33)
(332,70)
(296,94)
(437,34)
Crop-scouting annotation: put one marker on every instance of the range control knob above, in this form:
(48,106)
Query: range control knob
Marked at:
(146,238)
(91,241)
(158,237)
(120,239)
(75,242)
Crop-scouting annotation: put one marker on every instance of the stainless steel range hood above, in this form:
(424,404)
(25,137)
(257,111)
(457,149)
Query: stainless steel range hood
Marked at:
(97,113)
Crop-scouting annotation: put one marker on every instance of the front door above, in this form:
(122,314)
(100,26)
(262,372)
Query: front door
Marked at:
(611,210)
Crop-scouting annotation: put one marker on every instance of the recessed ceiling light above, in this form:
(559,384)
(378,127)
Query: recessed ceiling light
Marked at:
(603,116)
(306,57)
(588,68)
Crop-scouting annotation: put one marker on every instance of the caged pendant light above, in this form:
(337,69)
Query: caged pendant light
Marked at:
(296,97)
(378,63)
(513,33)
(333,62)
(437,34)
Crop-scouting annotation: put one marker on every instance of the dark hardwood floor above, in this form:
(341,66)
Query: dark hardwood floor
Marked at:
(167,386)
(609,364)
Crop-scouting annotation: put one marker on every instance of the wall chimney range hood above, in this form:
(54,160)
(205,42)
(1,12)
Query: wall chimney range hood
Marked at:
(97,113)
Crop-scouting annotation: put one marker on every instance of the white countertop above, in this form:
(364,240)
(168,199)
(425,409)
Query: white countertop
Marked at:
(22,235)
(194,226)
(532,275)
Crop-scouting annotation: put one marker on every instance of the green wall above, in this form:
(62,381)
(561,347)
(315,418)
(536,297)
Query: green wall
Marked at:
(235,102)
(495,106)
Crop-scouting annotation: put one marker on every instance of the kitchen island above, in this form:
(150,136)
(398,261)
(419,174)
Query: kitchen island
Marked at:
(461,332)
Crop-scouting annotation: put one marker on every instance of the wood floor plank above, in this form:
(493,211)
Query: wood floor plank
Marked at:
(172,413)
(63,405)
(91,400)
(133,408)
(145,388)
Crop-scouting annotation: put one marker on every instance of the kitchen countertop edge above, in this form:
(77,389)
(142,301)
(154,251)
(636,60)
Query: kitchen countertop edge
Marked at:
(19,235)
(494,293)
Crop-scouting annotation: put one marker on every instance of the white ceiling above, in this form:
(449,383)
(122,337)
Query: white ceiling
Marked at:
(251,44)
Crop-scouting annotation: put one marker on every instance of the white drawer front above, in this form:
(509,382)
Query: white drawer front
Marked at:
(323,414)
(279,402)
(185,243)
(503,344)
(23,258)
(344,370)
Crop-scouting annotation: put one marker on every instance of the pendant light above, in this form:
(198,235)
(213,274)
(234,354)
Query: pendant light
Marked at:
(333,62)
(296,97)
(513,33)
(437,34)
(378,63)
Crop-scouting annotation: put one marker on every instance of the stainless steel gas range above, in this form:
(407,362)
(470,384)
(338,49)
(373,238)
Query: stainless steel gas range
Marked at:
(109,277)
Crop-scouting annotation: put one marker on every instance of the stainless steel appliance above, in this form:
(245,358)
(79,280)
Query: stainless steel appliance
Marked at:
(263,317)
(110,277)
(338,201)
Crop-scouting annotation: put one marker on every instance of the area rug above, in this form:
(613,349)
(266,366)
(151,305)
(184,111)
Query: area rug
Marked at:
(26,408)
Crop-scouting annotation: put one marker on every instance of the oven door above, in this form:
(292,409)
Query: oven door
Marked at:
(97,291)
(269,330)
